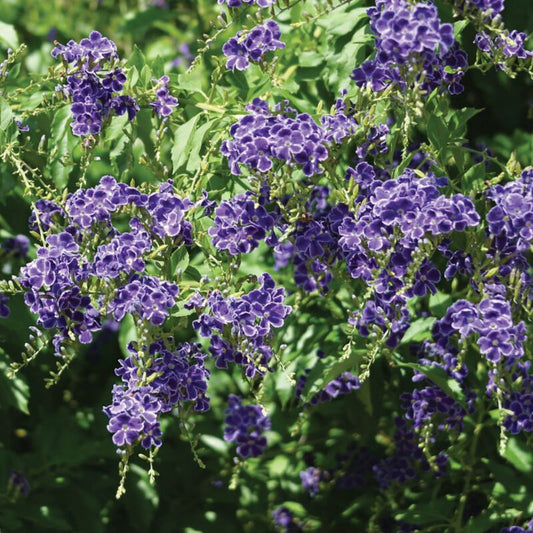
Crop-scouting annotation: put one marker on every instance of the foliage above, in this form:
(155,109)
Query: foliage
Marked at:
(266,265)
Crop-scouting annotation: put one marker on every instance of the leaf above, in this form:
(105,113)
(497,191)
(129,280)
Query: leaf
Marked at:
(146,75)
(440,378)
(439,303)
(116,127)
(519,455)
(179,260)
(473,179)
(136,59)
(126,334)
(460,118)
(8,35)
(196,146)
(419,330)
(459,26)
(6,115)
(218,445)
(14,392)
(183,143)
(322,373)
(427,512)
(437,132)
(310,58)
(61,143)
(342,22)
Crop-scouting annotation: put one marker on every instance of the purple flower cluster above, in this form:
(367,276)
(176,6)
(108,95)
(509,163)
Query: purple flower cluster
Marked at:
(251,46)
(313,246)
(45,216)
(18,483)
(424,406)
(499,339)
(17,246)
(165,103)
(511,218)
(147,297)
(413,48)
(239,3)
(4,309)
(248,320)
(340,386)
(517,529)
(407,460)
(262,137)
(94,83)
(502,343)
(504,46)
(311,477)
(240,224)
(86,248)
(489,8)
(172,378)
(395,219)
(284,521)
(245,425)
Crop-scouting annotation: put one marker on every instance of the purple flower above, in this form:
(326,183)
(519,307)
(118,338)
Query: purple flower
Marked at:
(240,224)
(94,94)
(4,309)
(311,477)
(239,3)
(148,297)
(411,39)
(262,137)
(245,425)
(165,103)
(18,483)
(252,45)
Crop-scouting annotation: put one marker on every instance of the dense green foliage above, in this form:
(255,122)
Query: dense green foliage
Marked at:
(54,430)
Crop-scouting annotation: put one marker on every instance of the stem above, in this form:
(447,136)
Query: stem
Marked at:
(458,525)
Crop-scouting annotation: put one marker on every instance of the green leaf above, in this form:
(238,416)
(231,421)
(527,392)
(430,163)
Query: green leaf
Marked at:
(459,119)
(473,179)
(439,303)
(439,377)
(146,75)
(116,127)
(437,132)
(8,35)
(218,445)
(183,143)
(126,334)
(179,260)
(323,373)
(6,115)
(14,392)
(196,145)
(136,59)
(341,21)
(519,455)
(419,330)
(459,26)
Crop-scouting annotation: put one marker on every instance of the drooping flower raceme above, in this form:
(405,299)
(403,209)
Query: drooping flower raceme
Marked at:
(94,83)
(412,48)
(263,137)
(86,247)
(245,425)
(240,224)
(165,103)
(239,3)
(173,378)
(251,46)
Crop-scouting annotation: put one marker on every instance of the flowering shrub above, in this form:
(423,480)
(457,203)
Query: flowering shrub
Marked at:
(272,261)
